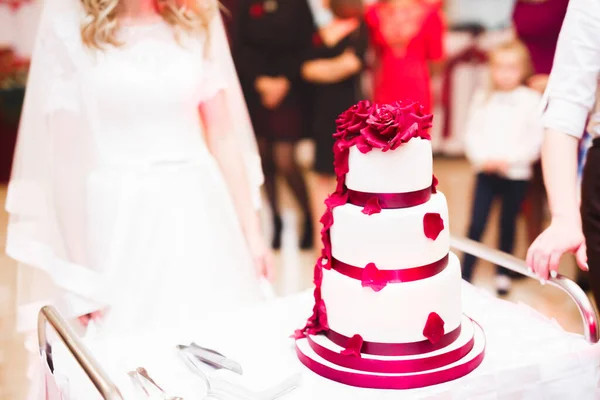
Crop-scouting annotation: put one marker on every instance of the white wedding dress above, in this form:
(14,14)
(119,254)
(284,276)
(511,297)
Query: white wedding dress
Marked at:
(162,239)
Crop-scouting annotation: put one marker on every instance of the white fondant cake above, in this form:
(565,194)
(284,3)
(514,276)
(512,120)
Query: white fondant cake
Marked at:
(406,169)
(396,314)
(392,239)
(387,298)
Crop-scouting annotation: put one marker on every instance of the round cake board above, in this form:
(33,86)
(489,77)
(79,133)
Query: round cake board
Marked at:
(380,372)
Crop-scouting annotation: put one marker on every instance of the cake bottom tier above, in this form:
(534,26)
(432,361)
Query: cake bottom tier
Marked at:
(454,361)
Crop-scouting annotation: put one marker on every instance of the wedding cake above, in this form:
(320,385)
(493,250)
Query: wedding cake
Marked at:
(387,311)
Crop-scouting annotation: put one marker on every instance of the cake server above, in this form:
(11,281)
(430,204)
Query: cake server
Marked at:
(212,358)
(221,388)
(142,380)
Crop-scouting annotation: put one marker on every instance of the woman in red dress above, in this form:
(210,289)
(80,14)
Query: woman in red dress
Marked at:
(407,38)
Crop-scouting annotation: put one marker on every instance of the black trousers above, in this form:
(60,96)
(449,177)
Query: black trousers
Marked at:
(590,216)
(511,194)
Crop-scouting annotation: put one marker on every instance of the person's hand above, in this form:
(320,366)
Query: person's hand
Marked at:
(94,316)
(262,84)
(495,167)
(564,235)
(538,82)
(502,167)
(351,60)
(490,167)
(272,90)
(279,89)
(262,257)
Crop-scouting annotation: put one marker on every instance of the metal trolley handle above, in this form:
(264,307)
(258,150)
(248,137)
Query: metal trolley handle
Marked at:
(590,319)
(109,391)
(48,315)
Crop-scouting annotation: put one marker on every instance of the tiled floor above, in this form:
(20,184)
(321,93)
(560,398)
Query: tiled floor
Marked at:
(295,274)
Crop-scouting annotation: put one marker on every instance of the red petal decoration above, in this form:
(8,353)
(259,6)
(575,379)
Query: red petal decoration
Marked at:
(317,322)
(298,334)
(340,159)
(434,185)
(353,347)
(425,135)
(326,252)
(372,206)
(318,273)
(434,328)
(341,184)
(336,200)
(433,224)
(362,145)
(327,219)
(322,315)
(373,278)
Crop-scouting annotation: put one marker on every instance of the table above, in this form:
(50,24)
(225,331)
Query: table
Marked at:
(528,356)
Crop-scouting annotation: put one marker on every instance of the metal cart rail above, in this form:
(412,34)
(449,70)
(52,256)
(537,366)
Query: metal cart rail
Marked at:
(49,316)
(109,391)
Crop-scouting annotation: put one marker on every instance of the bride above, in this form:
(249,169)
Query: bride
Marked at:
(136,180)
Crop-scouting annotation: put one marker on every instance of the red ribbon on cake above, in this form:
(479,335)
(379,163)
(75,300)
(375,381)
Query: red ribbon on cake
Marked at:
(390,200)
(396,349)
(393,275)
(392,366)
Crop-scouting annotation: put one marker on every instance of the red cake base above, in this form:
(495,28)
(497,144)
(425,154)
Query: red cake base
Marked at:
(452,362)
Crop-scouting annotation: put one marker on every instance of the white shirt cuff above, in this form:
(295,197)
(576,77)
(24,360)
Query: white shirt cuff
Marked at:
(565,117)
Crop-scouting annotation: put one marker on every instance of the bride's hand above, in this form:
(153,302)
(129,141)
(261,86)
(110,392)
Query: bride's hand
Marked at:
(262,257)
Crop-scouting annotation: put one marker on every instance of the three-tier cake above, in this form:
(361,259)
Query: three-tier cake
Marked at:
(387,311)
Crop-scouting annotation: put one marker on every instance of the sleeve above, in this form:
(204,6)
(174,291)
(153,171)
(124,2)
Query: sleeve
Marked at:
(436,29)
(249,62)
(572,86)
(475,145)
(530,145)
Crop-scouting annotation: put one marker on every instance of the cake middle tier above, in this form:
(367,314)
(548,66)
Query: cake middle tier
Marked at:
(392,239)
(396,314)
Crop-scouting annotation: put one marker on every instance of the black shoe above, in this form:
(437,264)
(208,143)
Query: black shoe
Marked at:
(277,229)
(307,242)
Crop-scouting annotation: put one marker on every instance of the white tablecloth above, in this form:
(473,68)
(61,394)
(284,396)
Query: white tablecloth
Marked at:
(527,356)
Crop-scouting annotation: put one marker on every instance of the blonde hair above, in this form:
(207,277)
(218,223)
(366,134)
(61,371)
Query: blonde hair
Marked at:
(101,25)
(518,47)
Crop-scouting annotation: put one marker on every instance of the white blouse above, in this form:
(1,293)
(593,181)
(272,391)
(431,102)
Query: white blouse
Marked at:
(505,126)
(571,91)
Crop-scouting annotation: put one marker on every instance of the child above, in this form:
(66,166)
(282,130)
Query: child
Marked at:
(334,69)
(503,140)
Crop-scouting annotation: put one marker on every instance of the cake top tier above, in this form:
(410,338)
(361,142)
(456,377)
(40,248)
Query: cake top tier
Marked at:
(384,148)
(381,126)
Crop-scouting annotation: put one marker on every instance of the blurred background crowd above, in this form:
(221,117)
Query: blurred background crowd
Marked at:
(480,66)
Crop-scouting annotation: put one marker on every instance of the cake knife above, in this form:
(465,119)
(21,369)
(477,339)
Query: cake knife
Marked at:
(212,358)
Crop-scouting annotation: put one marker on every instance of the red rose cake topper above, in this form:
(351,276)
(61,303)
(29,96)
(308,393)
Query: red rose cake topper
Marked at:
(381,126)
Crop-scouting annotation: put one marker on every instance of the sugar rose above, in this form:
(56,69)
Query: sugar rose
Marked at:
(353,120)
(390,125)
